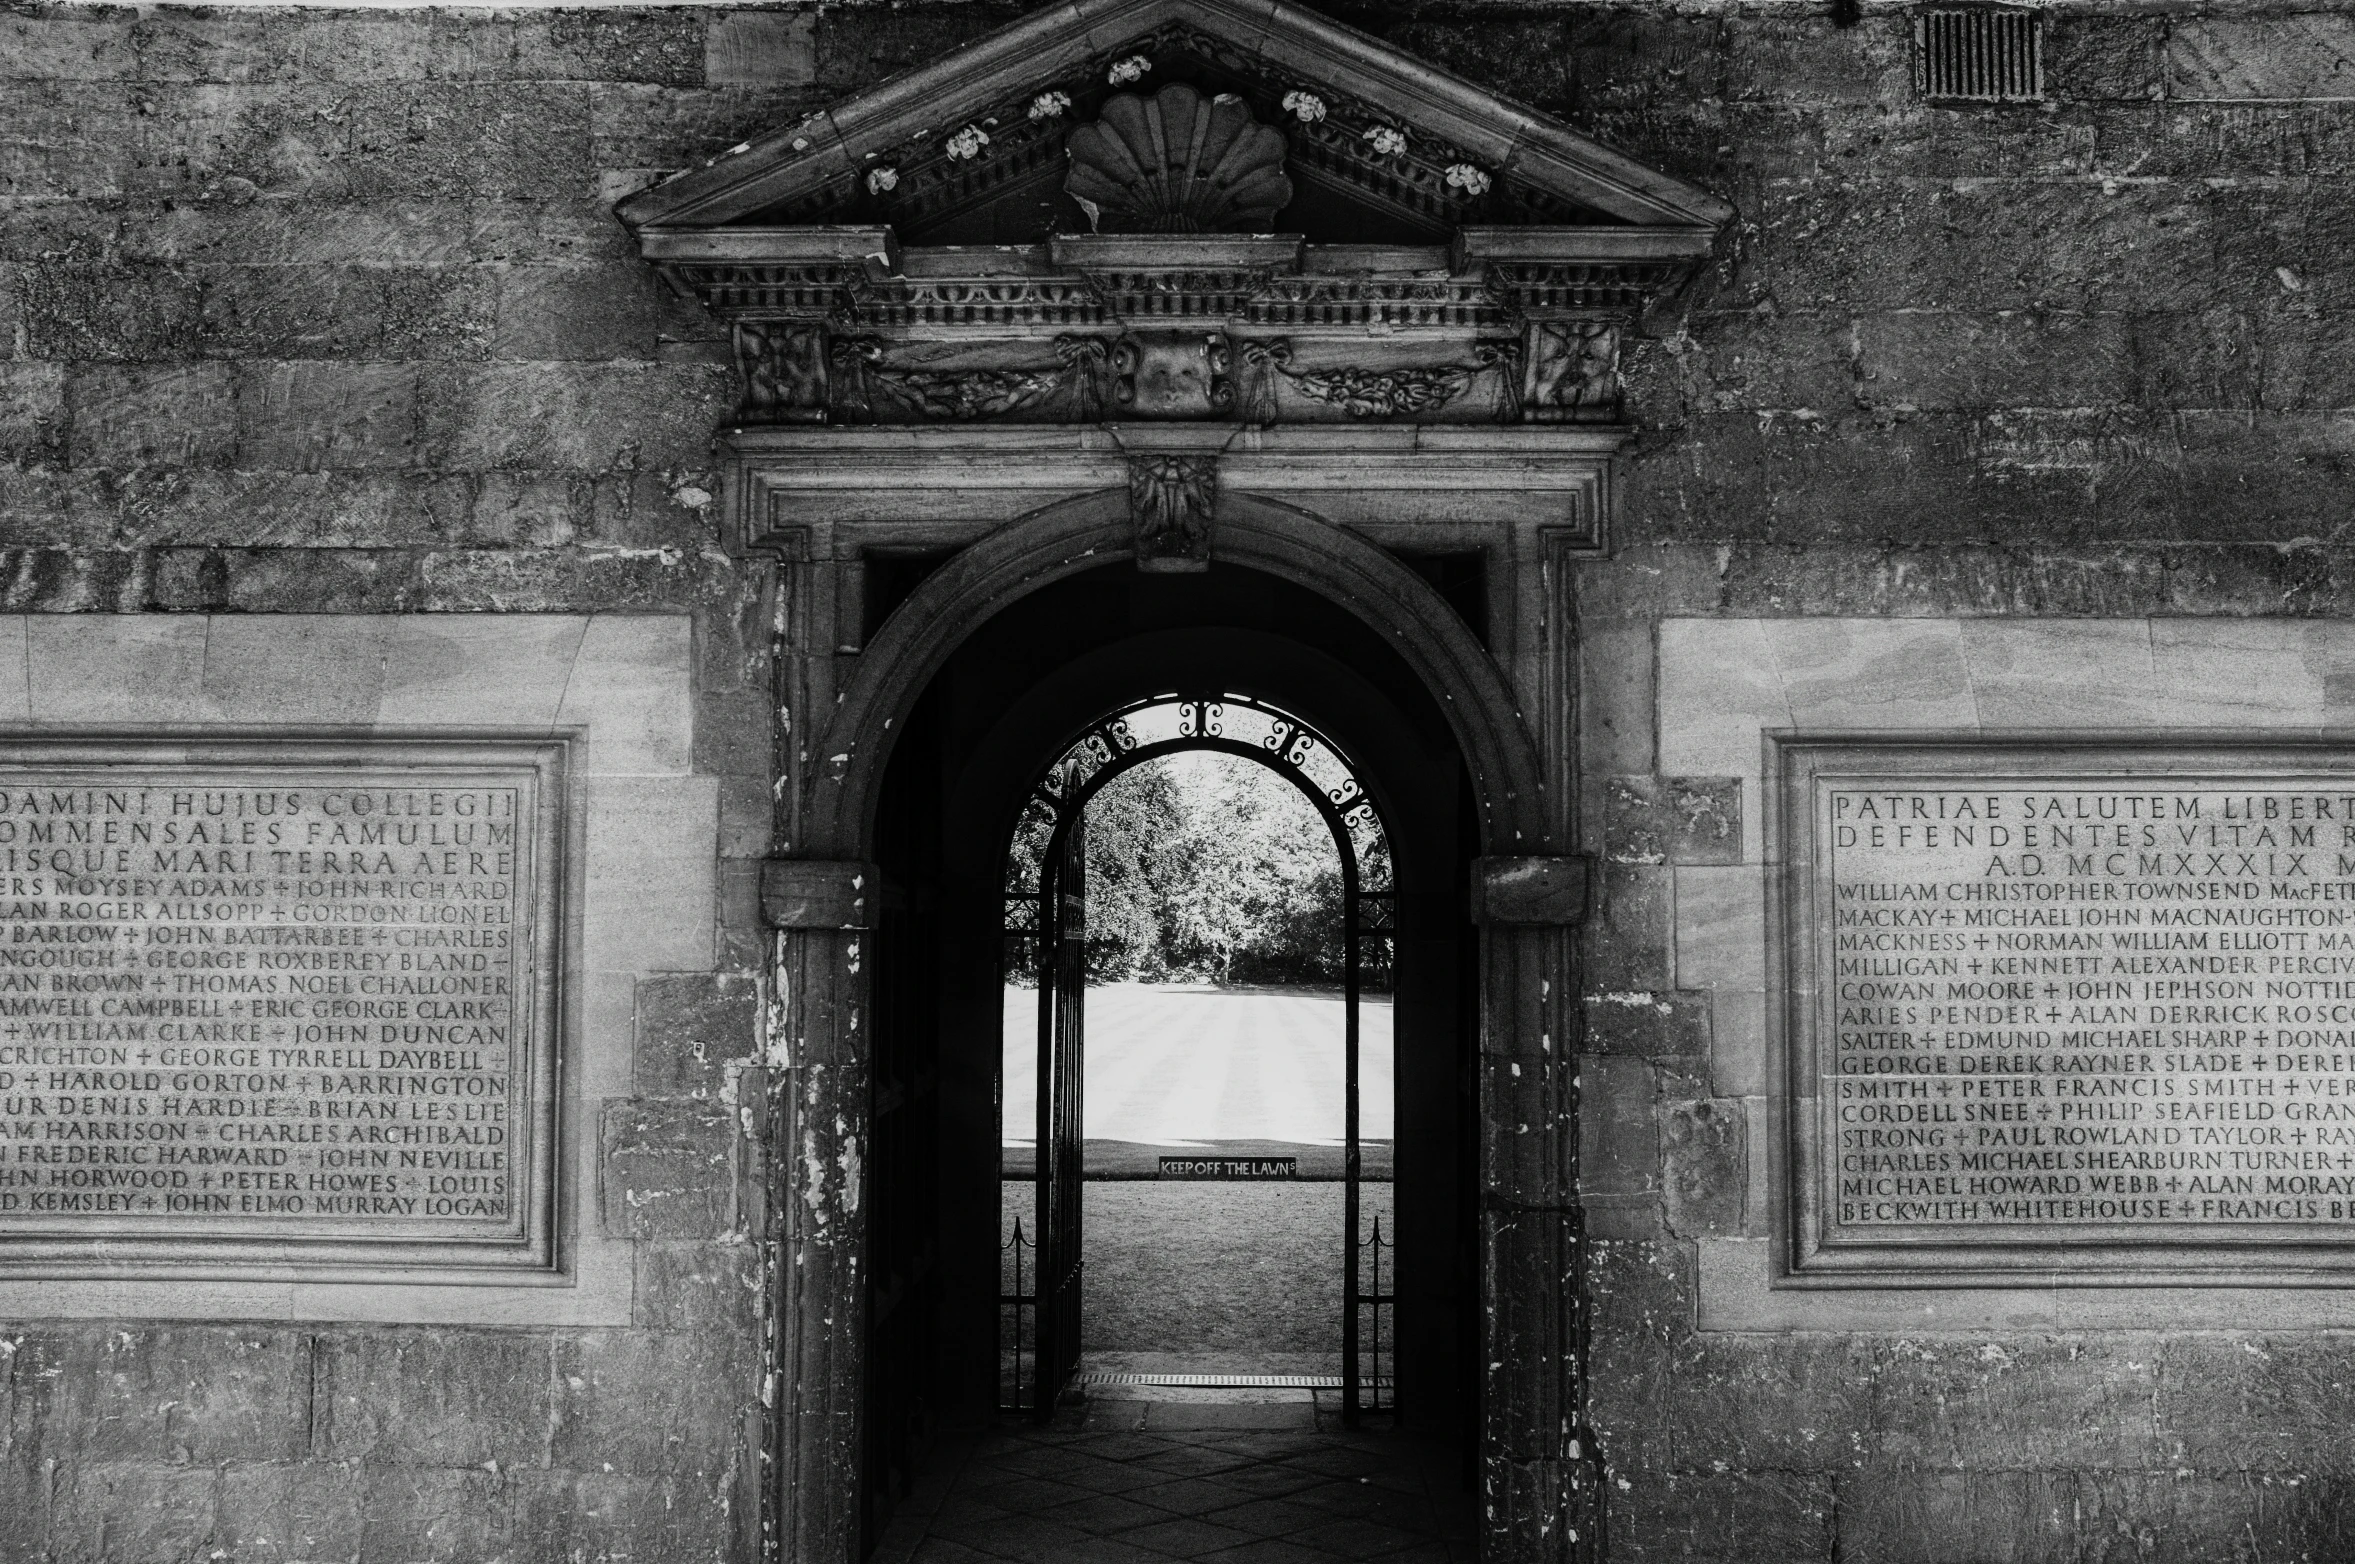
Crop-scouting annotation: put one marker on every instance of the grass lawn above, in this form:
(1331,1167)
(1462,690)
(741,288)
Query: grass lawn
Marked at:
(1210,1266)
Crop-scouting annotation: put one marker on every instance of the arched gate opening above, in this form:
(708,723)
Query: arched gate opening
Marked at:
(968,678)
(1297,670)
(1045,925)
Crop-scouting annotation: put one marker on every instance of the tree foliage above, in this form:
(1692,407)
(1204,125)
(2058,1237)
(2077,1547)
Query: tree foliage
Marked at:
(1208,868)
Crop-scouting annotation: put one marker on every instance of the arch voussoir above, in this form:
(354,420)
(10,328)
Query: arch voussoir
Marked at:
(1508,780)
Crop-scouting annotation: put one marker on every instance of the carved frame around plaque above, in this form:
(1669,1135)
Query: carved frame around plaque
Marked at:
(2152,1080)
(406,1126)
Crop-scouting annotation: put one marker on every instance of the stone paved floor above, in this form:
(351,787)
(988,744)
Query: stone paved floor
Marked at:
(1186,1475)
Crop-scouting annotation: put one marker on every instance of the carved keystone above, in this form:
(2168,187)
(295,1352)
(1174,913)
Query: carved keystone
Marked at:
(1172,500)
(805,893)
(1529,890)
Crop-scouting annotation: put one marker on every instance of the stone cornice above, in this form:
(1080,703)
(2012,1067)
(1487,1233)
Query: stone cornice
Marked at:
(860,277)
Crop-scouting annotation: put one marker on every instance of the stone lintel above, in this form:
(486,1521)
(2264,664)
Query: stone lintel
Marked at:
(1529,890)
(948,485)
(805,893)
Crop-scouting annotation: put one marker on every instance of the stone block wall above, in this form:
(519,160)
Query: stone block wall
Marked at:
(324,311)
(163,1417)
(2071,361)
(2078,361)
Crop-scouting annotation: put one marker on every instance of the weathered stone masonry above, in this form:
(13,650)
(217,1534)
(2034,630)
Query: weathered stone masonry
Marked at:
(325,311)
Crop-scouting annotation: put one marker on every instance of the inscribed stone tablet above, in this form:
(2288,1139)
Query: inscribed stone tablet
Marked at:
(2084,1008)
(276,1004)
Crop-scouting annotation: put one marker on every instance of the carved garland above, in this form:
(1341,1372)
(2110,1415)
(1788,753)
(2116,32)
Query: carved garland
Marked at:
(870,390)
(1564,371)
(1379,393)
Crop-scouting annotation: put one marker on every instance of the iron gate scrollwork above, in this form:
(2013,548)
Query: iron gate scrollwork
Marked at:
(1043,937)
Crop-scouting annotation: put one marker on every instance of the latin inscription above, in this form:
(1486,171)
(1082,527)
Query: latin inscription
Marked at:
(262,1003)
(2103,1003)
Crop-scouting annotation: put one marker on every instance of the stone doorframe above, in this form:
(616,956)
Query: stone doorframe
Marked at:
(1329,509)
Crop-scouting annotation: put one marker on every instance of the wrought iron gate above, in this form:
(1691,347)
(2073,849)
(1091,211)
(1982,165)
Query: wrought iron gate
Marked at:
(1045,934)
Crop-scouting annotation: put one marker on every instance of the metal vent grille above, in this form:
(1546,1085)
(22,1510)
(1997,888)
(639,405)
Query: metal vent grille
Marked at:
(1978,55)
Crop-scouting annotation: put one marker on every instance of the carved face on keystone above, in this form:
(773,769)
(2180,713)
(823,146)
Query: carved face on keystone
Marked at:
(1174,375)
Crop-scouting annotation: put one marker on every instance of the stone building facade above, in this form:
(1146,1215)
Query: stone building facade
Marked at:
(336,396)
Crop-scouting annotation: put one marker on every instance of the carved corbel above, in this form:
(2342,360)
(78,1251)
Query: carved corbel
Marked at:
(1172,500)
(1570,372)
(780,372)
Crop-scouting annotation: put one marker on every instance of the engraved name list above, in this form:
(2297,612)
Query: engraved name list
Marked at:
(2070,1007)
(263,1004)
(2073,1005)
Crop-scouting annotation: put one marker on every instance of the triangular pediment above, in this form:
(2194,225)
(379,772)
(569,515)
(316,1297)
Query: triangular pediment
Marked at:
(1169,210)
(972,149)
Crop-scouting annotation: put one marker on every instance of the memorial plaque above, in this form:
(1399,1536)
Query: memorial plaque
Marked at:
(2085,1010)
(278,1005)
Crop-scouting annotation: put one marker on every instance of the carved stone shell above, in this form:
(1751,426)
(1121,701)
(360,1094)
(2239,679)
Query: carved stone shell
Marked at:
(1178,162)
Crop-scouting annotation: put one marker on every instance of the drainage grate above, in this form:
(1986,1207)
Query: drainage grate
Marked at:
(1978,55)
(1223,1381)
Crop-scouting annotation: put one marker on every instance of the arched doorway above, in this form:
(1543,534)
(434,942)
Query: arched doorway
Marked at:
(1045,929)
(1406,405)
(1001,708)
(962,683)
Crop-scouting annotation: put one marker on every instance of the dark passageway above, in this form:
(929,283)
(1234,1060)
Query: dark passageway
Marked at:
(1134,1482)
(1130,1452)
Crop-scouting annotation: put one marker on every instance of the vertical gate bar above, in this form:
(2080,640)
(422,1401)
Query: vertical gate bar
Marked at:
(1050,945)
(1075,1105)
(1351,1399)
(1061,1132)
